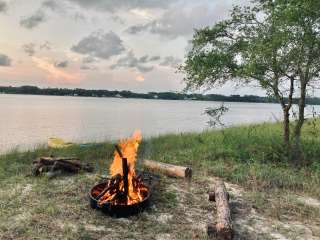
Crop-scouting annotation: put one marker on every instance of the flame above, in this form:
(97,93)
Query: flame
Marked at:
(129,148)
(136,189)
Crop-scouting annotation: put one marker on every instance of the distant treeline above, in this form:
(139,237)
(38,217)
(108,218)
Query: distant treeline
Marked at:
(32,90)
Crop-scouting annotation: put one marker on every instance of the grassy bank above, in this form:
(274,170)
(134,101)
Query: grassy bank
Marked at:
(249,156)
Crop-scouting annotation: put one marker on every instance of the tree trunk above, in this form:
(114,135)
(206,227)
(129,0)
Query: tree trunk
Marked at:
(286,127)
(297,151)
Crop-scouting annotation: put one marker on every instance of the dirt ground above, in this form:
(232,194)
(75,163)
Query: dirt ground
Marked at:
(39,208)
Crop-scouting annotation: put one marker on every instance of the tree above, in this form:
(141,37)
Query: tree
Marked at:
(272,42)
(302,19)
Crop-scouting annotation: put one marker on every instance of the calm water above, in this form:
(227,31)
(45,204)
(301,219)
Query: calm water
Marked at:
(27,121)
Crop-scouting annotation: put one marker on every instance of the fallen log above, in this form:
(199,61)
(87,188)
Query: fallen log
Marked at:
(212,197)
(168,169)
(59,158)
(223,228)
(52,160)
(68,167)
(39,168)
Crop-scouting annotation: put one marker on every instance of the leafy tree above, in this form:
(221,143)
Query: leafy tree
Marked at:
(274,43)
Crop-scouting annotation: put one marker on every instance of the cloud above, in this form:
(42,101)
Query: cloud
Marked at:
(135,29)
(143,59)
(56,6)
(5,61)
(86,67)
(117,19)
(170,61)
(99,44)
(114,5)
(86,63)
(33,20)
(89,59)
(79,17)
(181,20)
(3,6)
(154,58)
(142,13)
(131,61)
(53,72)
(29,48)
(45,46)
(62,64)
(52,5)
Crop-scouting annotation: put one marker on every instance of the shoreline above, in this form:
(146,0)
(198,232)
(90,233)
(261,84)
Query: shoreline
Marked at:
(166,95)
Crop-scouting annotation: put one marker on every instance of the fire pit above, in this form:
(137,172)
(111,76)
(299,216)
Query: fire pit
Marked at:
(125,193)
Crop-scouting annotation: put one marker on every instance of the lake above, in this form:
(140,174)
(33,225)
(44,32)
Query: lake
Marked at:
(27,120)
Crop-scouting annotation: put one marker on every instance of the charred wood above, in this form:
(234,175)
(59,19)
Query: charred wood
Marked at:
(125,170)
(64,164)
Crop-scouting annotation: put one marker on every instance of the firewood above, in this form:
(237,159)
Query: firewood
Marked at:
(169,169)
(59,158)
(50,160)
(112,187)
(118,150)
(36,170)
(66,164)
(39,168)
(106,189)
(125,172)
(69,167)
(223,227)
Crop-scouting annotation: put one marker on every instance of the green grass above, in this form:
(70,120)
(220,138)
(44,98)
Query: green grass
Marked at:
(250,156)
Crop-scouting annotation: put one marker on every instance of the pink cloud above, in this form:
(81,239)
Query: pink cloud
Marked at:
(55,74)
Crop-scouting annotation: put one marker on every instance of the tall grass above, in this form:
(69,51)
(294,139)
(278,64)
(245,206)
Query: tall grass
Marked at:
(252,156)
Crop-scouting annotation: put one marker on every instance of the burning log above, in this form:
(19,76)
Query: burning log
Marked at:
(169,169)
(125,177)
(65,164)
(125,193)
(113,182)
(223,227)
(125,172)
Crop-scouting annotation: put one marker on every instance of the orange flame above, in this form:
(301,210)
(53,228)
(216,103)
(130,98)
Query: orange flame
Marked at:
(129,148)
(136,189)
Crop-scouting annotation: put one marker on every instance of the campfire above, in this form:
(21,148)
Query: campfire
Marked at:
(126,192)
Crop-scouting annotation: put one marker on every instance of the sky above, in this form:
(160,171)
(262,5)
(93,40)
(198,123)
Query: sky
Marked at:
(103,44)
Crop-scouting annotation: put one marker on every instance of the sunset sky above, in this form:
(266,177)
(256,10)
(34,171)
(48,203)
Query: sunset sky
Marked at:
(102,44)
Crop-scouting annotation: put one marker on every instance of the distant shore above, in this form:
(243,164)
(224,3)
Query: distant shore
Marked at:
(78,92)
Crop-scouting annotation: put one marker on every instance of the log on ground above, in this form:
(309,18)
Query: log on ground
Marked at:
(223,228)
(168,169)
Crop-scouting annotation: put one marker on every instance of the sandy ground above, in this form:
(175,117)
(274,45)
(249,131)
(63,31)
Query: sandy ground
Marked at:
(58,209)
